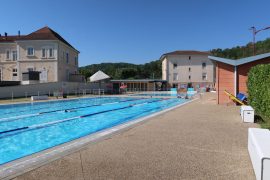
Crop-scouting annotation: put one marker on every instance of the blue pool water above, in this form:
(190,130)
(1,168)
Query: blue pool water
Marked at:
(156,94)
(29,128)
(189,94)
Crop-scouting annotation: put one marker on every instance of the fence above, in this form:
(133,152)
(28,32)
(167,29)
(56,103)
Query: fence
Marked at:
(66,88)
(142,90)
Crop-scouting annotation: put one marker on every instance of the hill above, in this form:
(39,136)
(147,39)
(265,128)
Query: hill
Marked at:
(153,69)
(243,51)
(125,70)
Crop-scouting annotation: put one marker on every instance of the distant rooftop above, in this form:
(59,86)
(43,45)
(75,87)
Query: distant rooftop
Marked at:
(44,33)
(186,52)
(237,62)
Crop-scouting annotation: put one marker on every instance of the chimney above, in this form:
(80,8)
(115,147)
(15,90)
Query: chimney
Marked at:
(5,34)
(19,33)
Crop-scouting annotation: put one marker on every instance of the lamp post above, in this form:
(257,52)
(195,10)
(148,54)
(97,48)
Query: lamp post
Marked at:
(254,32)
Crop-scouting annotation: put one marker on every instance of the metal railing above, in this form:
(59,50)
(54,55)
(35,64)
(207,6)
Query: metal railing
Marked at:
(143,89)
(15,95)
(24,96)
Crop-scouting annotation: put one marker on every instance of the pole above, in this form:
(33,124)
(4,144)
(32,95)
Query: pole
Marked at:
(254,32)
(254,45)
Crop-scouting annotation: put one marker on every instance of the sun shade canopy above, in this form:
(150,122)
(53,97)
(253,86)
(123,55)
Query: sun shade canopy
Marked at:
(98,76)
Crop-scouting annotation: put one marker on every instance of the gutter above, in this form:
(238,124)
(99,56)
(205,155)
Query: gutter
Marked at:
(235,80)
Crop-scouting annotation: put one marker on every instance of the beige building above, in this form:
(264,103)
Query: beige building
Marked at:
(43,52)
(182,67)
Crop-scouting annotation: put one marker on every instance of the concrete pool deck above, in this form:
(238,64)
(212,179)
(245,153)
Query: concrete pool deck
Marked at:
(199,140)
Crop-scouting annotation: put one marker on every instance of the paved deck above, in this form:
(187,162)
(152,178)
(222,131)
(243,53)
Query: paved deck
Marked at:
(197,141)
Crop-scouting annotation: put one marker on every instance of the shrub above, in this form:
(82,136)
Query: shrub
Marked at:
(258,85)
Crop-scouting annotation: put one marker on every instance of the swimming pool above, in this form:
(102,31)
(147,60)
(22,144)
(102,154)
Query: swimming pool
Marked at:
(188,94)
(155,94)
(29,128)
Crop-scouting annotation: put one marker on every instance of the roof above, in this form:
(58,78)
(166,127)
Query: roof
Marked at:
(98,76)
(185,52)
(10,38)
(188,52)
(138,80)
(241,61)
(44,33)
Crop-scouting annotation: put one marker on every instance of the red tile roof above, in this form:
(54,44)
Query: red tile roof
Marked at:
(9,38)
(44,33)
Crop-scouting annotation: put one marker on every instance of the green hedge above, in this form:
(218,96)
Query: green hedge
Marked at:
(258,85)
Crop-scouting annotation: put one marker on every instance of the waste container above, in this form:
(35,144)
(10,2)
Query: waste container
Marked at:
(247,114)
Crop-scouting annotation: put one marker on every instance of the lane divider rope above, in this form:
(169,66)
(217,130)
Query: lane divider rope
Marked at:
(13,118)
(69,119)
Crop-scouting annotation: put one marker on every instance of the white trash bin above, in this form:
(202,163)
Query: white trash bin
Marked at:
(247,114)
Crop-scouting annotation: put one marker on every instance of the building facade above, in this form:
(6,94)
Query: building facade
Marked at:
(232,75)
(139,84)
(181,68)
(43,51)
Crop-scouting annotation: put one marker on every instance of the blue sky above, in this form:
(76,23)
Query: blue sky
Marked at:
(138,31)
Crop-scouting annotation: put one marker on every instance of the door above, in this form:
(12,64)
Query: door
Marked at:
(14,74)
(43,76)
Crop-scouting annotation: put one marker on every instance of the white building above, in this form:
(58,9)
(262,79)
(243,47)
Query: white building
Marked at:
(183,67)
(43,51)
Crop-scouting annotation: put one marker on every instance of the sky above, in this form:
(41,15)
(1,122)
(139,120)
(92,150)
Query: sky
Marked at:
(139,31)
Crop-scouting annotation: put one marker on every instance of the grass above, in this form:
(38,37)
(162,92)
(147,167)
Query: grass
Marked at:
(265,124)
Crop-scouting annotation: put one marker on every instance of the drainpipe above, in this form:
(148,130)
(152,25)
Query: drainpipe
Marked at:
(19,76)
(235,80)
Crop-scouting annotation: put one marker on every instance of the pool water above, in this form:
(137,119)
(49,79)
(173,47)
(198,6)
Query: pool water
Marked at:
(29,128)
(189,94)
(155,94)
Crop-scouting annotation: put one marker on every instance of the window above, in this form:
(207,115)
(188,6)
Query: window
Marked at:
(203,65)
(47,53)
(189,57)
(0,74)
(14,72)
(30,69)
(189,77)
(189,69)
(51,53)
(30,51)
(204,76)
(175,76)
(174,66)
(14,55)
(44,53)
(7,54)
(76,61)
(67,57)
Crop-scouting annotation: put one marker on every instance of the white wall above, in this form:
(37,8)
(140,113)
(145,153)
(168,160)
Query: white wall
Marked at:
(182,69)
(45,88)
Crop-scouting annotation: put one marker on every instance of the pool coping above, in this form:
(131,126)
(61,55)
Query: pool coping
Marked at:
(17,167)
(55,100)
